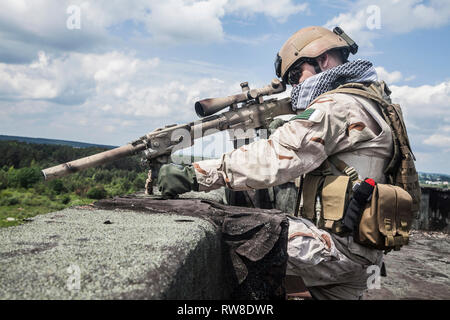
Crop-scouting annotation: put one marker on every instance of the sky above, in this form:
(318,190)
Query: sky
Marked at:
(109,71)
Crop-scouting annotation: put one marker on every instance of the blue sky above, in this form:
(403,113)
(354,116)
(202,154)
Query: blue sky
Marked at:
(133,66)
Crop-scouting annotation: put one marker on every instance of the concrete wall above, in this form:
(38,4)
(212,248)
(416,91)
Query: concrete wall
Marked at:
(145,248)
(434,210)
(111,254)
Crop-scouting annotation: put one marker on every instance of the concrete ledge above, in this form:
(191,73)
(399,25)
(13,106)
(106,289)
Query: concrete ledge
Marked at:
(120,255)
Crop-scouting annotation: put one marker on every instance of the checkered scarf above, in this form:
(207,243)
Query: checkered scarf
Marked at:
(355,71)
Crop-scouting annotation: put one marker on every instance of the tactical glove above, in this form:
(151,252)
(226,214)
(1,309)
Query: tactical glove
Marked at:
(175,179)
(275,124)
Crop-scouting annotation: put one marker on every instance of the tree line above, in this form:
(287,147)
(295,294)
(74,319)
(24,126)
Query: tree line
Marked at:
(21,164)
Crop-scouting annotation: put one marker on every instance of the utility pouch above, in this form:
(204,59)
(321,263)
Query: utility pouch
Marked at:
(386,220)
(313,184)
(335,197)
(325,199)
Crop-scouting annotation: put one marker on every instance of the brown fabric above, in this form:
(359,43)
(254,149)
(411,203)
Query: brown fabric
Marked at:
(356,126)
(327,240)
(281,157)
(322,101)
(334,197)
(319,140)
(311,185)
(284,157)
(295,287)
(197,167)
(385,222)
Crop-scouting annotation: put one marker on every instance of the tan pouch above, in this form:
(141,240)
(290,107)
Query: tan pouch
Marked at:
(312,186)
(335,196)
(333,192)
(386,221)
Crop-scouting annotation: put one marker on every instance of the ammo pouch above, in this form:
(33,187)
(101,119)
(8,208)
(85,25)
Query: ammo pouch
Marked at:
(325,198)
(386,220)
(384,223)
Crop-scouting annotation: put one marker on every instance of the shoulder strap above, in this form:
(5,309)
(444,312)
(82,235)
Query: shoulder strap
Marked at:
(379,92)
(344,167)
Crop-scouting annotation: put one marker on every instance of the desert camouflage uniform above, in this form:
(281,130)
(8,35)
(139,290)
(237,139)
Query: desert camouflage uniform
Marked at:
(331,266)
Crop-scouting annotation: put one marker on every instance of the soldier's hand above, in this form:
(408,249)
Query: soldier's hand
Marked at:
(175,179)
(275,124)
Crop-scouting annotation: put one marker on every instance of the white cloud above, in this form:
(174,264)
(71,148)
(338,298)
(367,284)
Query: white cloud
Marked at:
(178,20)
(29,26)
(407,15)
(71,78)
(424,100)
(410,78)
(395,17)
(439,140)
(425,108)
(279,10)
(354,24)
(113,83)
(388,77)
(427,115)
(108,98)
(20,82)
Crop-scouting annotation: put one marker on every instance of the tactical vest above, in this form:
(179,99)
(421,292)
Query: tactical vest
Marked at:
(386,220)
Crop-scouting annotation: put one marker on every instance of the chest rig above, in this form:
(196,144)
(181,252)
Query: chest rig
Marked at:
(386,219)
(323,197)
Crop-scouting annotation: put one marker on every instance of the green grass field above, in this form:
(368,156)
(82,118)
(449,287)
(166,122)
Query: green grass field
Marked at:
(18,205)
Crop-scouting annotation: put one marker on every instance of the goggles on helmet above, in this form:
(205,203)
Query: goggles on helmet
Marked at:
(277,65)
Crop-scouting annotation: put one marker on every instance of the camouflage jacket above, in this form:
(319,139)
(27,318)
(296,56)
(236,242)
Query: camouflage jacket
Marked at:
(343,124)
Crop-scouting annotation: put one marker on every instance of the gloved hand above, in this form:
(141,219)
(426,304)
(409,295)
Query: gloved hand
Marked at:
(175,179)
(275,124)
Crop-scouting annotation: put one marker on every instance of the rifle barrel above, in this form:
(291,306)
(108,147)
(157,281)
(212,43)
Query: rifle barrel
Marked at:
(67,168)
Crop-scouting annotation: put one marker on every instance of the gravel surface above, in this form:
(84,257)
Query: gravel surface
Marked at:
(420,270)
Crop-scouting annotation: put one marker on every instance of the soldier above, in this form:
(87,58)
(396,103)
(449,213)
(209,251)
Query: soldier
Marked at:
(314,61)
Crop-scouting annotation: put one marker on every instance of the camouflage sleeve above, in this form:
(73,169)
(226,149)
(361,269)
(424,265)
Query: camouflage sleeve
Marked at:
(297,147)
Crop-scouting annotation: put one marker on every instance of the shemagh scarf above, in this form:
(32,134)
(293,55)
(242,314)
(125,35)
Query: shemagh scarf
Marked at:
(355,71)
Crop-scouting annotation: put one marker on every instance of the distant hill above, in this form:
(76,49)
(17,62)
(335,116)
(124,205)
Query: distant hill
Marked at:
(423,176)
(74,144)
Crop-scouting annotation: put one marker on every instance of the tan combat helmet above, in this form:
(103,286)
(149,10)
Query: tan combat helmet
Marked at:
(311,42)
